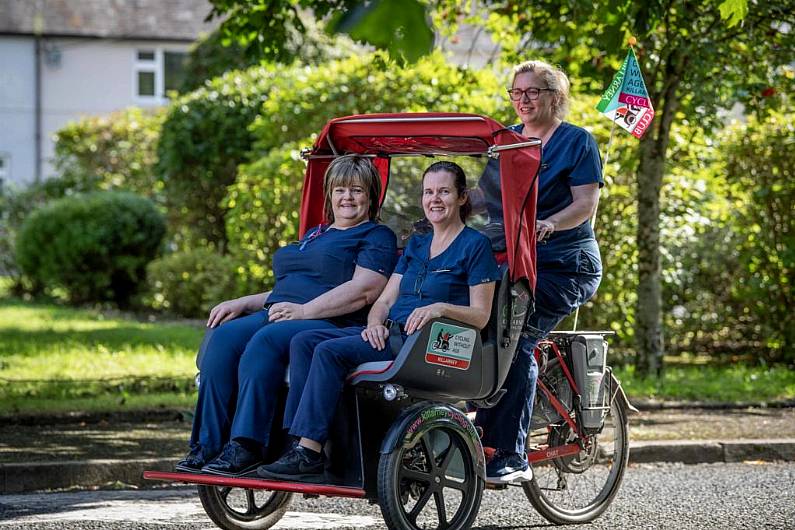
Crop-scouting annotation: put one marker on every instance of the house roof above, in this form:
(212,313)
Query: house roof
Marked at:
(180,20)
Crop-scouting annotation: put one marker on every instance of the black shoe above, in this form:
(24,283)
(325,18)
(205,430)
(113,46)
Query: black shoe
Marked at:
(234,460)
(298,464)
(193,462)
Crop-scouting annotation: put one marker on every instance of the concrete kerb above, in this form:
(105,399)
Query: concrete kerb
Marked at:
(18,478)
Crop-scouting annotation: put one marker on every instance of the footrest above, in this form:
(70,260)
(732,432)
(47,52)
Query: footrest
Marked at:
(255,483)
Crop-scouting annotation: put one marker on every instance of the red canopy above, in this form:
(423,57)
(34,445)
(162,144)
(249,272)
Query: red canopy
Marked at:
(386,135)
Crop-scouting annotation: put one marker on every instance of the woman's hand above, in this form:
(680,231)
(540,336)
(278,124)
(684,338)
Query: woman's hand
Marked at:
(285,311)
(544,228)
(227,311)
(376,336)
(422,315)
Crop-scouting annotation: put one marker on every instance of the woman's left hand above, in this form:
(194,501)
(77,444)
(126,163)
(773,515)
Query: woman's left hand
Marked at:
(285,311)
(422,315)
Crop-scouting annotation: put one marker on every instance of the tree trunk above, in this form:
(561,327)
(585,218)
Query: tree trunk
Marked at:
(651,167)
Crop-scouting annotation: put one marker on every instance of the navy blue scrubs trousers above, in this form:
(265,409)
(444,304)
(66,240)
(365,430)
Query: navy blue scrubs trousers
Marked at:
(242,364)
(320,361)
(558,293)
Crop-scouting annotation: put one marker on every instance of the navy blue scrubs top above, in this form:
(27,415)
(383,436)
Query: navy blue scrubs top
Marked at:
(570,158)
(467,261)
(326,258)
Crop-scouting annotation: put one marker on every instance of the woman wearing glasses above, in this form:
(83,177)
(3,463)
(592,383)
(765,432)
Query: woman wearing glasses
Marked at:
(568,263)
(322,282)
(449,272)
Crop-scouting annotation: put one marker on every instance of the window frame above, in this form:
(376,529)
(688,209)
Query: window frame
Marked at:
(156,67)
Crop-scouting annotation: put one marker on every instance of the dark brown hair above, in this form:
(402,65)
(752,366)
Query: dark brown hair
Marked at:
(460,180)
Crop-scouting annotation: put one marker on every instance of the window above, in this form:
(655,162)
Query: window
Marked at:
(157,71)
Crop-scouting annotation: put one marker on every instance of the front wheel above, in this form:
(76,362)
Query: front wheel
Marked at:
(243,509)
(431,483)
(577,489)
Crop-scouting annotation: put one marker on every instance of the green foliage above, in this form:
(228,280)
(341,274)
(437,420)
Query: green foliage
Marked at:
(368,84)
(189,283)
(277,30)
(758,169)
(264,205)
(217,54)
(117,151)
(204,138)
(95,246)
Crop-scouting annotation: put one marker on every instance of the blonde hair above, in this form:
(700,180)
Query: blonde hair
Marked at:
(347,171)
(554,78)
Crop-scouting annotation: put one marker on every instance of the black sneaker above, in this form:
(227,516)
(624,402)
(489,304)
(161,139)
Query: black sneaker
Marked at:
(508,467)
(193,462)
(298,464)
(234,460)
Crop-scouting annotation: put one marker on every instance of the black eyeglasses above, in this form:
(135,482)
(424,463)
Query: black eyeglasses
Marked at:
(532,93)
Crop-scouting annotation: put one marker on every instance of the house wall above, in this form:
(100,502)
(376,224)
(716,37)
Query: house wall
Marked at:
(17,104)
(79,77)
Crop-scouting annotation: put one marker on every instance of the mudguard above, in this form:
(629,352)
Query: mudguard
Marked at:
(618,393)
(418,419)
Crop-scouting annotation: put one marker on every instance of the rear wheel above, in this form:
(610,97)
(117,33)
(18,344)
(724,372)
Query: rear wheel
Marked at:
(432,484)
(243,509)
(578,488)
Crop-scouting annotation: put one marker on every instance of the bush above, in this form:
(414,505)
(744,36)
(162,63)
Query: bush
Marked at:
(264,205)
(190,283)
(111,152)
(95,246)
(204,138)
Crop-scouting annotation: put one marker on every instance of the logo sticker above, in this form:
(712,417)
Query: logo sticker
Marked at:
(450,346)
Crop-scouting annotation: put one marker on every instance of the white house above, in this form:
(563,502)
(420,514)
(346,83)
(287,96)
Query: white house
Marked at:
(64,59)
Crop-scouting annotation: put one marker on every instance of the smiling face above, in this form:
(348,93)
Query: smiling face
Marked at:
(350,204)
(440,199)
(538,111)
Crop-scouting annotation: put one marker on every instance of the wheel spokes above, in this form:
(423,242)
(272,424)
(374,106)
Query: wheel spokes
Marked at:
(419,476)
(441,512)
(423,500)
(224,492)
(251,504)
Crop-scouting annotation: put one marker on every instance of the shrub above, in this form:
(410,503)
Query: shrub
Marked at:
(190,283)
(263,207)
(111,152)
(204,138)
(95,246)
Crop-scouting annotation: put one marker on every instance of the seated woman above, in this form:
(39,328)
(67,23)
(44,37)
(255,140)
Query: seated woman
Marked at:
(322,282)
(450,272)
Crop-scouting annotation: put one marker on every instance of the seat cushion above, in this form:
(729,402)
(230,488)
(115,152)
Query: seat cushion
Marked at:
(371,368)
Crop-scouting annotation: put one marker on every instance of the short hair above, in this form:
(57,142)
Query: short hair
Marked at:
(554,78)
(460,180)
(349,170)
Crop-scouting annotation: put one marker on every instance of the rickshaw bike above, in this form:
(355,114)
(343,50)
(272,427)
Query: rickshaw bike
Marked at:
(402,435)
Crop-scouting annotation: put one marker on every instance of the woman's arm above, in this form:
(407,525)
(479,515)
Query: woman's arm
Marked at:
(230,309)
(376,333)
(585,198)
(362,289)
(476,314)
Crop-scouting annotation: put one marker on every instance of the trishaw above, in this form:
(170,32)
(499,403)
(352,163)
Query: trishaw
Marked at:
(403,435)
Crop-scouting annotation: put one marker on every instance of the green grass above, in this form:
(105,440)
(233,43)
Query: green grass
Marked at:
(58,358)
(735,383)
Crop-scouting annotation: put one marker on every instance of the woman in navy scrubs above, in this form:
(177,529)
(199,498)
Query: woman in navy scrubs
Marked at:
(450,272)
(324,281)
(569,267)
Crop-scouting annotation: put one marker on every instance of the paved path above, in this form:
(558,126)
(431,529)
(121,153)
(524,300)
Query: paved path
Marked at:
(707,496)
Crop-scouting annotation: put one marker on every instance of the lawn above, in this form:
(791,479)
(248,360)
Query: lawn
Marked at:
(54,358)
(57,358)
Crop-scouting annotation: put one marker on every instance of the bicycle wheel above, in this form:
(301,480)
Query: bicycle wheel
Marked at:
(430,485)
(578,488)
(243,509)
